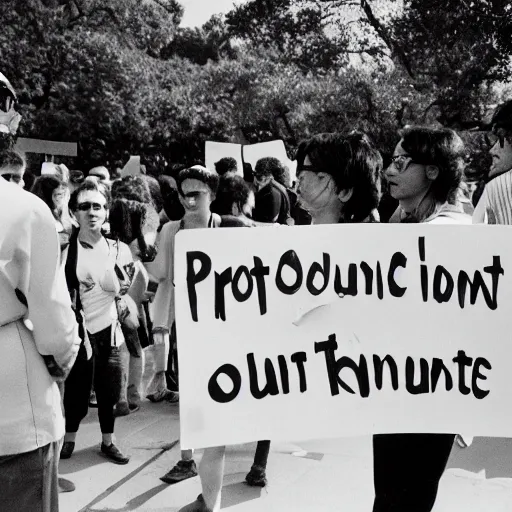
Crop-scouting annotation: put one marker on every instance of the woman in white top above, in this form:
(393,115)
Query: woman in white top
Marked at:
(98,271)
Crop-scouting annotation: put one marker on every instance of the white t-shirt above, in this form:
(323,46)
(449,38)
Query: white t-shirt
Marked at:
(99,284)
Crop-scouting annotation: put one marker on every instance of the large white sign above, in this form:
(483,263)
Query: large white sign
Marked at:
(328,331)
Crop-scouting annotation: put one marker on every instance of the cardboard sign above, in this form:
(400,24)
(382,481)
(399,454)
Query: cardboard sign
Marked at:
(251,153)
(327,331)
(132,167)
(214,151)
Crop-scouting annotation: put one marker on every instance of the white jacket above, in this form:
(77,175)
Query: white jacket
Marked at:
(30,402)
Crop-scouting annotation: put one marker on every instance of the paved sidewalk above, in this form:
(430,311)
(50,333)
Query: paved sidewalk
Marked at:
(317,476)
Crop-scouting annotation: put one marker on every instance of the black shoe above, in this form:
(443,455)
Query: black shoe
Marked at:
(65,485)
(112,452)
(67,449)
(183,470)
(256,477)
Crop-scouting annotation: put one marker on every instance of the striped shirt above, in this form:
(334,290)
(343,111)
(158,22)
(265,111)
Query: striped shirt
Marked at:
(495,205)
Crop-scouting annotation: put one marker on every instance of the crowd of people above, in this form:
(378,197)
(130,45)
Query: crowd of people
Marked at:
(87,289)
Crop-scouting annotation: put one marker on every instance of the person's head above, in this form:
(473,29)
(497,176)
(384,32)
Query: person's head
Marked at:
(171,198)
(131,187)
(90,204)
(265,170)
(234,197)
(197,186)
(9,117)
(226,165)
(12,166)
(100,173)
(427,164)
(52,191)
(501,140)
(334,170)
(135,224)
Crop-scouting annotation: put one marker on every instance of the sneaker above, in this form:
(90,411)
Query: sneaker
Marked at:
(159,396)
(65,485)
(133,407)
(173,397)
(196,506)
(183,470)
(121,409)
(112,452)
(256,477)
(67,449)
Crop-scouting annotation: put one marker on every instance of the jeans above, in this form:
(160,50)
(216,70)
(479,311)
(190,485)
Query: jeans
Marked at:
(107,369)
(28,481)
(407,470)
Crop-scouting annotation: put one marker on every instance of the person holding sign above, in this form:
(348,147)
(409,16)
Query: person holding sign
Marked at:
(425,174)
(495,205)
(339,178)
(197,187)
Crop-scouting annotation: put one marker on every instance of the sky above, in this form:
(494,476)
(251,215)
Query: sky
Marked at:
(198,12)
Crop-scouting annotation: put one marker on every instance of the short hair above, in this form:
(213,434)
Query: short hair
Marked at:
(130,220)
(269,166)
(198,172)
(443,148)
(44,186)
(154,190)
(232,189)
(226,164)
(171,199)
(11,159)
(131,187)
(502,117)
(93,185)
(353,162)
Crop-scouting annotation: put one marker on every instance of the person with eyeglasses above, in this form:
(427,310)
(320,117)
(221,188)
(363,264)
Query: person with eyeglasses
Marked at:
(12,167)
(495,204)
(425,176)
(425,173)
(98,270)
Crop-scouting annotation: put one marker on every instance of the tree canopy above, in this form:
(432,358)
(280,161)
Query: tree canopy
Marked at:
(123,77)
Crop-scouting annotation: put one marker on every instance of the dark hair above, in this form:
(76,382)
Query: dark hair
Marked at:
(353,162)
(154,190)
(226,164)
(171,199)
(131,187)
(90,184)
(502,117)
(130,220)
(443,148)
(44,186)
(269,166)
(232,189)
(200,173)
(11,158)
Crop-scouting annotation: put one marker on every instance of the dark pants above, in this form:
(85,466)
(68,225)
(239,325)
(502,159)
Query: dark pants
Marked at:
(106,367)
(407,470)
(28,481)
(261,455)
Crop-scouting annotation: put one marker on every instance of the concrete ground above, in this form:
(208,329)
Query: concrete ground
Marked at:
(319,476)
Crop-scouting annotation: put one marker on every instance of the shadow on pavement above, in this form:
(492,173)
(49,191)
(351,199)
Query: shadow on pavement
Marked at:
(82,459)
(489,454)
(239,492)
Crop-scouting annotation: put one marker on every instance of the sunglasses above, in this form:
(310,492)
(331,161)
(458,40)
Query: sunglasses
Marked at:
(194,195)
(14,178)
(497,135)
(86,206)
(401,162)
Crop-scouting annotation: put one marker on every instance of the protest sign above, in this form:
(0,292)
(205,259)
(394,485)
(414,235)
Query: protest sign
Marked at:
(329,331)
(214,151)
(250,153)
(132,167)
